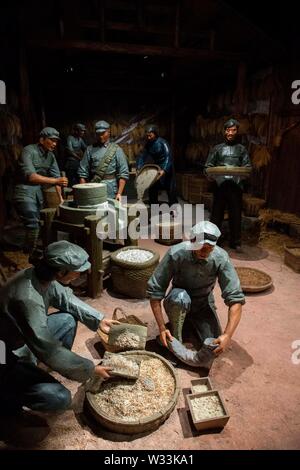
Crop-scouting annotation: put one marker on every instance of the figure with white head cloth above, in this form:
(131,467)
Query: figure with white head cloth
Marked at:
(193,267)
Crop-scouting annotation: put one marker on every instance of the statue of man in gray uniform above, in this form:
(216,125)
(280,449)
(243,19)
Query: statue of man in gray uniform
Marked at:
(192,268)
(105,162)
(31,335)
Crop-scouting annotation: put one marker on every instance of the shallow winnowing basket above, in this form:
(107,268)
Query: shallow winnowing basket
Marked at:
(131,319)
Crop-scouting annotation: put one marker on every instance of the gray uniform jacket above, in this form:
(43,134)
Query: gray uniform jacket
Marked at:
(228,155)
(24,304)
(197,277)
(34,159)
(75,145)
(92,157)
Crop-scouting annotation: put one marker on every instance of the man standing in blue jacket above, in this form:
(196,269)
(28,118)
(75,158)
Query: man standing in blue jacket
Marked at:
(157,150)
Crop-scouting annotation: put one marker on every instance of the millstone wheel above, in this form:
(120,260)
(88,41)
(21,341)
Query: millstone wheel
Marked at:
(90,194)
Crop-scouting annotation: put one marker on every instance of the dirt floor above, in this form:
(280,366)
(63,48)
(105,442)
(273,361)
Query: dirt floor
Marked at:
(257,376)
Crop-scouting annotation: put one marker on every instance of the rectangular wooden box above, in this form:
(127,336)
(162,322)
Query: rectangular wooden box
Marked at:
(208,423)
(201,381)
(290,258)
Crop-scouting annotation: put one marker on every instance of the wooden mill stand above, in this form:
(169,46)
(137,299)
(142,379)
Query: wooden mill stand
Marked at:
(99,258)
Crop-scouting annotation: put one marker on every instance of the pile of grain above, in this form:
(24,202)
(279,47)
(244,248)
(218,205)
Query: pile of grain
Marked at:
(135,256)
(127,340)
(207,407)
(252,277)
(200,388)
(150,394)
(121,365)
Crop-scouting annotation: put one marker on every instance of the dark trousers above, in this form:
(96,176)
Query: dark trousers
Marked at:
(72,166)
(229,195)
(24,384)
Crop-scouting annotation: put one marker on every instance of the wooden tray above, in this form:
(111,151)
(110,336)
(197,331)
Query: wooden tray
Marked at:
(228,171)
(253,280)
(208,423)
(202,381)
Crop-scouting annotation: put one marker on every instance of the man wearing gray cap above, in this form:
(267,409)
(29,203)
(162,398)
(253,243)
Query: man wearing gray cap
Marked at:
(37,168)
(105,162)
(24,319)
(75,149)
(229,189)
(157,150)
(193,267)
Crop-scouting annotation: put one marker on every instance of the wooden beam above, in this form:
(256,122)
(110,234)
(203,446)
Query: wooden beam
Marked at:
(134,49)
(177,24)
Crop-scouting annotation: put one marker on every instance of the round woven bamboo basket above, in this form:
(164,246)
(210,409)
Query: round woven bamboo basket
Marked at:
(149,423)
(252,206)
(130,279)
(253,280)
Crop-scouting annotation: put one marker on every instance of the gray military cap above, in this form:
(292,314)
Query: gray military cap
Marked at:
(101,126)
(79,126)
(204,232)
(66,255)
(50,133)
(231,123)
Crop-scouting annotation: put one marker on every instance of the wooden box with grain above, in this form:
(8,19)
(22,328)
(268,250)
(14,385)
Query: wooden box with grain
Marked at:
(208,410)
(201,385)
(292,256)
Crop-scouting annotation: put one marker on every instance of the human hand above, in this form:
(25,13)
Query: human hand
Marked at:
(62,181)
(223,342)
(118,197)
(102,371)
(164,336)
(161,173)
(106,323)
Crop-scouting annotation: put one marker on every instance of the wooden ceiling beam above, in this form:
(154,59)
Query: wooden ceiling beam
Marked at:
(135,49)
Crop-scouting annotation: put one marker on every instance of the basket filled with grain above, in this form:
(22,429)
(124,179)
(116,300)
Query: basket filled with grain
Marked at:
(131,268)
(123,318)
(135,406)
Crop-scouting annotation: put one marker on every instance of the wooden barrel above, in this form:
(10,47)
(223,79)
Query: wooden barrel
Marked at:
(197,186)
(169,233)
(252,206)
(51,198)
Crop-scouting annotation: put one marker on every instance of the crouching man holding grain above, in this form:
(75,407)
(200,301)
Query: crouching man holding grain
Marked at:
(193,267)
